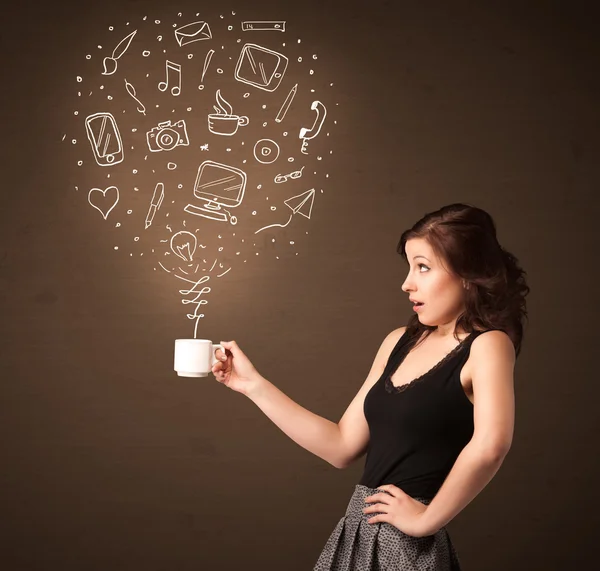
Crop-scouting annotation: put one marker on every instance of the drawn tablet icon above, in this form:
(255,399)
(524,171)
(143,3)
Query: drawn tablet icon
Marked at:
(260,67)
(104,136)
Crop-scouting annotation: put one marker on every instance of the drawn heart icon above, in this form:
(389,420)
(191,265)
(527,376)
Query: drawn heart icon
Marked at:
(104,200)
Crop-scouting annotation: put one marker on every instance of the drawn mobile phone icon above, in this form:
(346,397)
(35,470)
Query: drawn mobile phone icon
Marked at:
(308,134)
(104,136)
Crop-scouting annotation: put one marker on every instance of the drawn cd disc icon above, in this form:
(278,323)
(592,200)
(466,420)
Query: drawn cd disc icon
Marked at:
(266,151)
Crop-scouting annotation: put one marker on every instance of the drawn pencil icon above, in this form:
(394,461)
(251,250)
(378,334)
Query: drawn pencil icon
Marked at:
(286,104)
(157,198)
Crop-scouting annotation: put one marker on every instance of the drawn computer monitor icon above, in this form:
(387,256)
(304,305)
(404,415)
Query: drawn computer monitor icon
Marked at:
(104,136)
(260,67)
(217,185)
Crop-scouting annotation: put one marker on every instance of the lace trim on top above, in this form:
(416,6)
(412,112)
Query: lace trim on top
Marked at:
(391,388)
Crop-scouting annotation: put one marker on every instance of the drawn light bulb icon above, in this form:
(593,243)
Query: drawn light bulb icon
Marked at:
(183,244)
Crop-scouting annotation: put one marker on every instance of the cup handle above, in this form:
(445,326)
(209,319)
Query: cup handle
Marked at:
(215,347)
(243,121)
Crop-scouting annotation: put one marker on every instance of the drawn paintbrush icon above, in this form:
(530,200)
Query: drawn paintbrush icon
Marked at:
(110,62)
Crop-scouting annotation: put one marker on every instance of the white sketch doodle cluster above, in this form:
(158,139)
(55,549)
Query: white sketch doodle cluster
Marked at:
(176,83)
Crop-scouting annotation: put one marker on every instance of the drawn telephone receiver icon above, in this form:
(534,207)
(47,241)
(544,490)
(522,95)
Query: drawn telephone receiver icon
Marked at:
(308,134)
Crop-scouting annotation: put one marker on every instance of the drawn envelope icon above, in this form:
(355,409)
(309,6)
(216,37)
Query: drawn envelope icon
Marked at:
(193,32)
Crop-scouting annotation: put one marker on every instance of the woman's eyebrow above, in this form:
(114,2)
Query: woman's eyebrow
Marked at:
(420,257)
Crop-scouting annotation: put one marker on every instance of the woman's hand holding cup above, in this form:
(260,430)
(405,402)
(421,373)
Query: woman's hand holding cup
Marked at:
(234,369)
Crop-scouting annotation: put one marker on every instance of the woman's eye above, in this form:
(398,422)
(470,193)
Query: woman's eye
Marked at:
(422,266)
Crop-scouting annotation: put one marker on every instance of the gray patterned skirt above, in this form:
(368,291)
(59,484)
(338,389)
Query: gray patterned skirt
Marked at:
(355,545)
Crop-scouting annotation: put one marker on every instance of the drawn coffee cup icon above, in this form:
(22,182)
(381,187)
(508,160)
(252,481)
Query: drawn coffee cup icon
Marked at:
(224,122)
(220,124)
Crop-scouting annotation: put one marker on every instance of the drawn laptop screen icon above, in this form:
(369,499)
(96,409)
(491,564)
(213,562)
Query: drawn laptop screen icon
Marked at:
(220,183)
(260,67)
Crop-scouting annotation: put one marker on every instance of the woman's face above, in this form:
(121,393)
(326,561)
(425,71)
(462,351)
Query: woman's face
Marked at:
(429,282)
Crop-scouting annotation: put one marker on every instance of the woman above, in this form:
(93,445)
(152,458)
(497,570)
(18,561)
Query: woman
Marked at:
(435,415)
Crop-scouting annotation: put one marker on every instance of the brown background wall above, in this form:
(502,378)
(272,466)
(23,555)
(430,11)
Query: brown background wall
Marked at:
(111,461)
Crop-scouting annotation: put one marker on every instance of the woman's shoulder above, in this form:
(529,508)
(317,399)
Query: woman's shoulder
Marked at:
(492,342)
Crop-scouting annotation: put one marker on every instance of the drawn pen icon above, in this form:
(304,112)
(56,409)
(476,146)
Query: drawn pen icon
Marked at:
(157,198)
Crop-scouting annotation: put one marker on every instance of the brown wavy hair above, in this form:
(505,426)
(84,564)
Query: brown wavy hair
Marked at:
(464,238)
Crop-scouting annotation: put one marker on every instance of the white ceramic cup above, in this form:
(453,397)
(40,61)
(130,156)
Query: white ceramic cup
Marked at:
(195,357)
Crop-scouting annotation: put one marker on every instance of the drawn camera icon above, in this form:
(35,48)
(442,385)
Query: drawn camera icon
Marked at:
(166,136)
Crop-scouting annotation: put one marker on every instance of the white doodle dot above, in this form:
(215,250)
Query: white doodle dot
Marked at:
(99,47)
(314,56)
(74,141)
(238,41)
(171,166)
(285,133)
(327,176)
(265,124)
(221,16)
(273,208)
(146,53)
(300,59)
(157,105)
(129,211)
(134,171)
(79,163)
(312,90)
(88,56)
(246,95)
(102,87)
(136,189)
(136,239)
(116,247)
(259,186)
(111,28)
(190,56)
(283,44)
(230,28)
(319,158)
(335,122)
(109,97)
(292,242)
(233,13)
(201,87)
(219,70)
(299,40)
(159,38)
(228,150)
(291,160)
(79,79)
(189,108)
(157,21)
(264,106)
(254,213)
(164,51)
(79,94)
(180,186)
(244,161)
(174,25)
(75,112)
(134,130)
(147,75)
(312,72)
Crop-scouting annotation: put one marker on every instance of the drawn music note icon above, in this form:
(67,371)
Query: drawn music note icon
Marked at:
(171,68)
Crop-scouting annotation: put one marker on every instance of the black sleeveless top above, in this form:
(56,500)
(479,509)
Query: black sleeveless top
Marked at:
(417,430)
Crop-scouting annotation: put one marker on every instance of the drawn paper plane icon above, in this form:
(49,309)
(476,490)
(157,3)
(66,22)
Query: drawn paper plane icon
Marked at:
(300,203)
